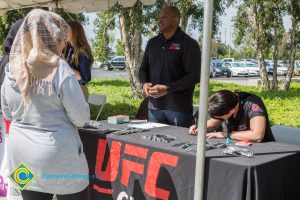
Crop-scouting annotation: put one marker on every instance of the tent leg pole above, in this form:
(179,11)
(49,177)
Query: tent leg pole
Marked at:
(202,119)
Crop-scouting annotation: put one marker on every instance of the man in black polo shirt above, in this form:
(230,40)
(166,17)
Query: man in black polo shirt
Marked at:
(169,71)
(245,115)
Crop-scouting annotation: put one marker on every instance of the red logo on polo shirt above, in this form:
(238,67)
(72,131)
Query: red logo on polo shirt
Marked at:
(255,107)
(174,46)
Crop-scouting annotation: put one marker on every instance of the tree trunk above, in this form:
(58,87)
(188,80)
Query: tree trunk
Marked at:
(275,56)
(286,84)
(265,85)
(132,41)
(184,21)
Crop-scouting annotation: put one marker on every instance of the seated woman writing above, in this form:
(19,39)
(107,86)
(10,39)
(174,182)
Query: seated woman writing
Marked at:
(245,117)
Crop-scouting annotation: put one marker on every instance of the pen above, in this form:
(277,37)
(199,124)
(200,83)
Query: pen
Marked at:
(228,139)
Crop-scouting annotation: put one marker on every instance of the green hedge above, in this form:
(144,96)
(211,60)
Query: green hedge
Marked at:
(282,107)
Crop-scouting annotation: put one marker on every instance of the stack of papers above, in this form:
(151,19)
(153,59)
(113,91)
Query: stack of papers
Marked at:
(147,125)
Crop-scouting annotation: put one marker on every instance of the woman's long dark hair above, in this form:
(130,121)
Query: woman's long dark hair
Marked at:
(80,43)
(222,102)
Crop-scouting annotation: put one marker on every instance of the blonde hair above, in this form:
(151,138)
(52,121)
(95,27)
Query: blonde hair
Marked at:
(79,42)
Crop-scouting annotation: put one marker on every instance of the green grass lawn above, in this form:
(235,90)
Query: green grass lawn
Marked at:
(282,107)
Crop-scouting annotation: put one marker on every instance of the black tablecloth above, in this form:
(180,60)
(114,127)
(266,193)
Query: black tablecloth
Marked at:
(129,165)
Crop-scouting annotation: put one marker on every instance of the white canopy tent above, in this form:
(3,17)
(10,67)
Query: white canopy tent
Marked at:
(78,6)
(72,6)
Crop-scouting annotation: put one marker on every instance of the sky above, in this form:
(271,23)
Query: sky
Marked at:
(225,32)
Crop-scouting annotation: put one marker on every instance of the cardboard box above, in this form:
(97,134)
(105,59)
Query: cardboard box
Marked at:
(118,119)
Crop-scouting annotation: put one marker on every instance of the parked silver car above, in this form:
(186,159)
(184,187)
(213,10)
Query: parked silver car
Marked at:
(269,67)
(212,70)
(117,62)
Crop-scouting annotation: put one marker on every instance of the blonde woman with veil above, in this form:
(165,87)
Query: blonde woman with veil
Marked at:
(40,97)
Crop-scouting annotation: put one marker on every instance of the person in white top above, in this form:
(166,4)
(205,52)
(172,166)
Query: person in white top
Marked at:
(40,97)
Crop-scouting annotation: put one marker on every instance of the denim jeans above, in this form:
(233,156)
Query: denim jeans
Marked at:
(170,117)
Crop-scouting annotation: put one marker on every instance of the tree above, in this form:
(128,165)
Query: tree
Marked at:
(131,28)
(119,48)
(250,22)
(214,48)
(274,15)
(293,9)
(192,14)
(189,8)
(8,18)
(284,47)
(222,49)
(104,22)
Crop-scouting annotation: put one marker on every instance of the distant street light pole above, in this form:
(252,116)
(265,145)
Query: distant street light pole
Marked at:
(229,42)
(225,37)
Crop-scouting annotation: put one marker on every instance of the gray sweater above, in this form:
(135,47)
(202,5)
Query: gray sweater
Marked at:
(45,136)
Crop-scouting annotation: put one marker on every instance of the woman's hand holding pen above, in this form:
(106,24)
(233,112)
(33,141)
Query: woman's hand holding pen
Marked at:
(193,130)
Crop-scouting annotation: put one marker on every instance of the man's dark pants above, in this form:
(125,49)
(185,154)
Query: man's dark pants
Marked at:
(170,117)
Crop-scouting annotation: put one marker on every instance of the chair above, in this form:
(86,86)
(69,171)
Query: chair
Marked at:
(286,134)
(142,113)
(98,100)
(195,109)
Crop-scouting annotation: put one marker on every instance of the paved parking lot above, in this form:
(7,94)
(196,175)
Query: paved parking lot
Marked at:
(99,73)
(249,81)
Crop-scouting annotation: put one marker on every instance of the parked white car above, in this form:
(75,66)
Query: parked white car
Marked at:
(247,60)
(282,70)
(237,69)
(253,69)
(228,60)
